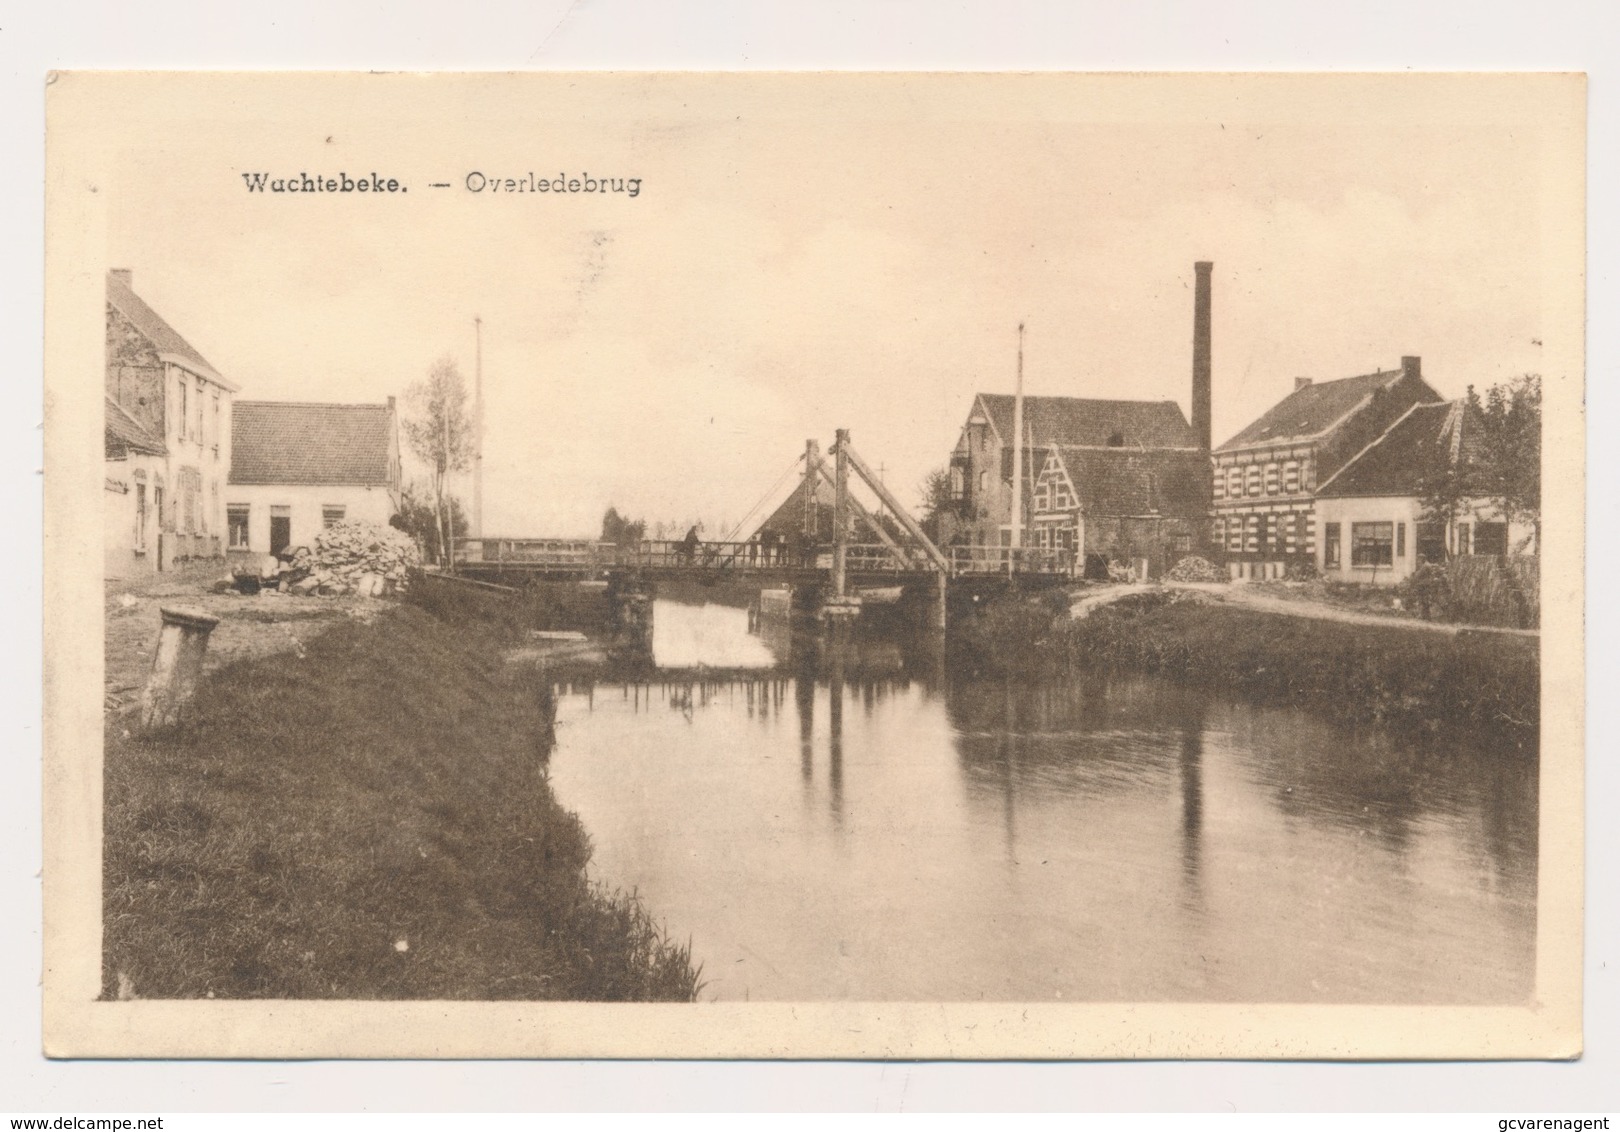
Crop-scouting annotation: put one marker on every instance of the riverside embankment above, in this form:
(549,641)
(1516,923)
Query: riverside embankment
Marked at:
(368,816)
(1355,673)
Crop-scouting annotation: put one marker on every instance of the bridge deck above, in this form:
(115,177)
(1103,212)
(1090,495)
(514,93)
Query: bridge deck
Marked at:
(864,563)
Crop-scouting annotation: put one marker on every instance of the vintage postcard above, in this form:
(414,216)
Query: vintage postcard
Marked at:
(814,565)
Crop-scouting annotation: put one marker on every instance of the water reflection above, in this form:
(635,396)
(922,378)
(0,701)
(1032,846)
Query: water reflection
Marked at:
(1118,839)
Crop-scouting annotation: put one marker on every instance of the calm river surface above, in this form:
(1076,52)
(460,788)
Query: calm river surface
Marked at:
(853,824)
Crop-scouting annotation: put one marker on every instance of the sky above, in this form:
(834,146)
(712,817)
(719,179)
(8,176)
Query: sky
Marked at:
(807,253)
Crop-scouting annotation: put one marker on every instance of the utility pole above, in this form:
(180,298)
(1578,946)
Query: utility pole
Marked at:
(478,429)
(1018,459)
(812,461)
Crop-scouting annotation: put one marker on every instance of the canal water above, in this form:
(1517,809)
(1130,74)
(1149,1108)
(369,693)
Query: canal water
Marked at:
(850,821)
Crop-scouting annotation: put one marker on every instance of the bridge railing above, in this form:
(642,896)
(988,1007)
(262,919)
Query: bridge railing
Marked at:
(861,558)
(564,552)
(1001,559)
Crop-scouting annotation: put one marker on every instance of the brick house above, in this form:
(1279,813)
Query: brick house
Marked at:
(299,467)
(167,441)
(1266,477)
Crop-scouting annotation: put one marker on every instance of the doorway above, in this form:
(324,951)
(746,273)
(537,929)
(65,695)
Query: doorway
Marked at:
(280,529)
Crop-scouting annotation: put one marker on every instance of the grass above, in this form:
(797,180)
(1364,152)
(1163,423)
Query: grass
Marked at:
(372,820)
(1481,682)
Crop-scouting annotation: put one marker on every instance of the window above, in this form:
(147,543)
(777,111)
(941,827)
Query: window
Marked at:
(1330,545)
(1372,544)
(1234,533)
(1490,538)
(1217,533)
(332,514)
(1273,479)
(185,411)
(1007,463)
(1400,540)
(1181,543)
(236,521)
(1251,478)
(1220,485)
(1464,543)
(984,482)
(1116,440)
(140,518)
(1234,482)
(216,426)
(1431,542)
(1251,534)
(1291,477)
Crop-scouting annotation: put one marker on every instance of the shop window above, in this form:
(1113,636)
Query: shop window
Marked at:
(1372,544)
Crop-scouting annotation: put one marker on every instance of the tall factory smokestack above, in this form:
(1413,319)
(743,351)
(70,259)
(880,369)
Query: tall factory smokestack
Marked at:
(1200,375)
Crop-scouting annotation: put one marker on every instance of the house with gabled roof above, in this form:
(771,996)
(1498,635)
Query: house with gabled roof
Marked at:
(1373,512)
(299,467)
(1266,477)
(1121,482)
(168,441)
(1112,483)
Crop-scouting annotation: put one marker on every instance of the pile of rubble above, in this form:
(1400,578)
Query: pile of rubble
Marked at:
(1195,569)
(362,558)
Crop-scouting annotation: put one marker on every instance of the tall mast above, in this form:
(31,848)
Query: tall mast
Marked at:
(478,429)
(1018,461)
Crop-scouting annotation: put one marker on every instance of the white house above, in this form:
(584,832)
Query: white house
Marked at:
(299,467)
(168,441)
(1370,513)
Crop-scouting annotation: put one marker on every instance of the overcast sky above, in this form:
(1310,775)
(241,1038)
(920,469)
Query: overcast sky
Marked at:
(806,254)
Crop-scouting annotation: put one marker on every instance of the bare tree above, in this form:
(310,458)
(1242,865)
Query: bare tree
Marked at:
(439,432)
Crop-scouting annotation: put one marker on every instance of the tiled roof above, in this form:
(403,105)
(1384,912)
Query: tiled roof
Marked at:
(1396,462)
(291,442)
(1086,421)
(164,338)
(1123,481)
(1308,411)
(125,435)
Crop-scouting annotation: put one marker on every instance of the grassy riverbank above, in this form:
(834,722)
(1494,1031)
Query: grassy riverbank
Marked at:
(368,818)
(1486,682)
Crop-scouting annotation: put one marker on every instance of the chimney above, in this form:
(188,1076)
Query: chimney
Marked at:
(124,275)
(1200,365)
(1411,368)
(390,402)
(1301,383)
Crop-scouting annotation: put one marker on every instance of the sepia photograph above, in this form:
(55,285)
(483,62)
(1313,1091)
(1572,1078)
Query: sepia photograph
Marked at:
(814,565)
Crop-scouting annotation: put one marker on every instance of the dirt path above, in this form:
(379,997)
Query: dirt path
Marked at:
(248,626)
(1250,597)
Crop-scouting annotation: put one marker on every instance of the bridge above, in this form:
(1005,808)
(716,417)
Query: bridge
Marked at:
(841,566)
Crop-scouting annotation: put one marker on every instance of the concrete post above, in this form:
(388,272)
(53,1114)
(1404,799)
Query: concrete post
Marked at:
(841,515)
(176,666)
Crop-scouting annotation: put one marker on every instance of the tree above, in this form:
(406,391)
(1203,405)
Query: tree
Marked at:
(1511,456)
(418,517)
(439,432)
(1499,459)
(935,490)
(621,531)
